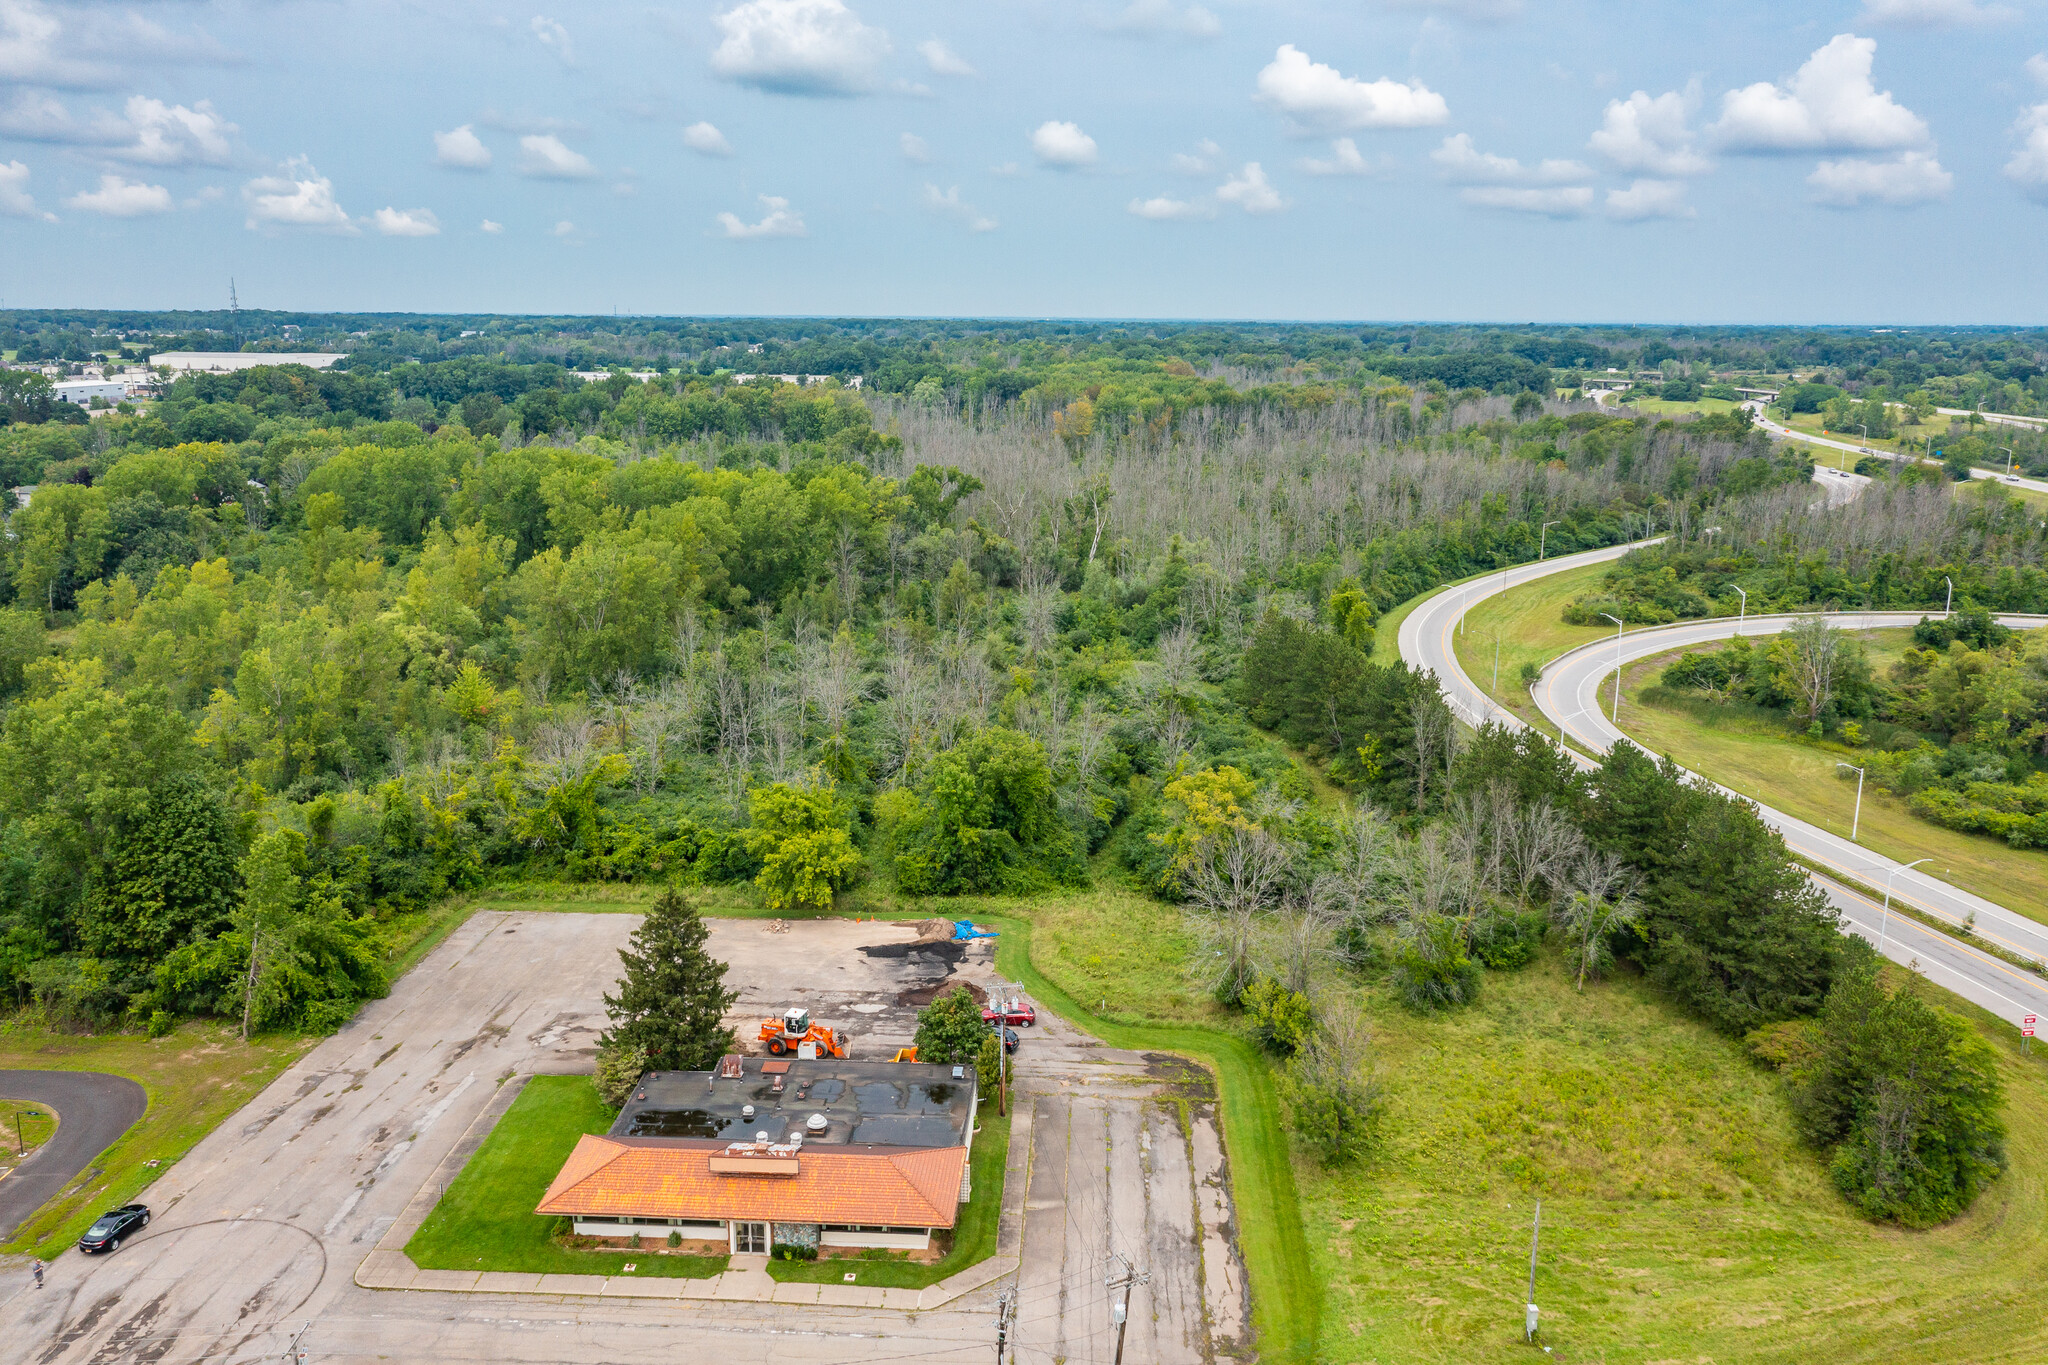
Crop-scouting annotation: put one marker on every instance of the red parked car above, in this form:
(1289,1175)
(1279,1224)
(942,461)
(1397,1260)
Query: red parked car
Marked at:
(1009,1012)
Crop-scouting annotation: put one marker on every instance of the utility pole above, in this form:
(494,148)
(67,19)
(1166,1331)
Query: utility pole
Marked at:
(292,1354)
(1006,1318)
(1529,1304)
(1122,1313)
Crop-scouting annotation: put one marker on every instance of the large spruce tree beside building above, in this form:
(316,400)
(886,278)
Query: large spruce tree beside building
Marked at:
(673,998)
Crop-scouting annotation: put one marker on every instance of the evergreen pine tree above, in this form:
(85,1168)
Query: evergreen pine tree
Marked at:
(673,998)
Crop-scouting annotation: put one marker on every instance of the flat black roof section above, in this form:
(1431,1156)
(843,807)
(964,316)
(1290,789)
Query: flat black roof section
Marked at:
(893,1104)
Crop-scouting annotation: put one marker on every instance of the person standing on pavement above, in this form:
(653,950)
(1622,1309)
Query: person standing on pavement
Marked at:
(39,1274)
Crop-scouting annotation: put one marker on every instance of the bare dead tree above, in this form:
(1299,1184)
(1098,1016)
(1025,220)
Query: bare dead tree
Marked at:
(1598,900)
(1815,652)
(1231,886)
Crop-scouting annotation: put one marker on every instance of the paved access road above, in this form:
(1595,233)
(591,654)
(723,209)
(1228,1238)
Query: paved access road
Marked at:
(1426,642)
(92,1109)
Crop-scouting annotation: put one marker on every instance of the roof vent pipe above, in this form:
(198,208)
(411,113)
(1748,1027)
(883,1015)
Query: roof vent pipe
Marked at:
(747,1112)
(817,1123)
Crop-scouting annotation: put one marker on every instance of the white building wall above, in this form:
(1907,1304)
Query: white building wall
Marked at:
(895,1241)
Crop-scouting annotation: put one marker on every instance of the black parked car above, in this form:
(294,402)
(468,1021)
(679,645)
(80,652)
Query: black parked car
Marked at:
(1009,1036)
(110,1228)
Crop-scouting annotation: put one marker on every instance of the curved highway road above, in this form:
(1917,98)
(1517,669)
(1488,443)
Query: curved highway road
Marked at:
(1426,639)
(93,1110)
(1787,434)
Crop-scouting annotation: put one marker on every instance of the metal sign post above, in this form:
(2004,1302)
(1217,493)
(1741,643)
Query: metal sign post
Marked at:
(1529,1304)
(2027,1033)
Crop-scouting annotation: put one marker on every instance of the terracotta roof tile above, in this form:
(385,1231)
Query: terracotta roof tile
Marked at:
(643,1178)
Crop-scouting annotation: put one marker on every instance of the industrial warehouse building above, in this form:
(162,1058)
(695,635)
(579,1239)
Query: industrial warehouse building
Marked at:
(766,1153)
(225,362)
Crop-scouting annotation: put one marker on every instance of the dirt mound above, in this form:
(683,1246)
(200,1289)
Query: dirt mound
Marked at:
(929,930)
(932,990)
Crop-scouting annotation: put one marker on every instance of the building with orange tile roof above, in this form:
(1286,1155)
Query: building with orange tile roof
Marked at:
(681,1157)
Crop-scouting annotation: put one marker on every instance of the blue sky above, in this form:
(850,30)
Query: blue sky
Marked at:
(1513,160)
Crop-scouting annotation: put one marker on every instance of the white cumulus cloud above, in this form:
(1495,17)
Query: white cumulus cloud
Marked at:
(1164,209)
(33,49)
(1319,99)
(146,131)
(944,60)
(2029,165)
(1344,159)
(1206,159)
(1830,105)
(15,200)
(461,149)
(1907,179)
(1571,201)
(174,135)
(543,156)
(2037,67)
(702,137)
(299,198)
(1650,133)
(1647,199)
(562,229)
(488,226)
(406,222)
(915,149)
(554,38)
(1465,164)
(799,47)
(1163,19)
(1251,191)
(779,221)
(952,205)
(1063,144)
(119,198)
(1934,13)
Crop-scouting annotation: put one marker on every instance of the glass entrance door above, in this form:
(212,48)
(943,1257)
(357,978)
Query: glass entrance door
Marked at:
(750,1239)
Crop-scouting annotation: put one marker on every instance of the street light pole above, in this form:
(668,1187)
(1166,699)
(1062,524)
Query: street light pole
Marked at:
(1744,614)
(2008,459)
(1617,666)
(1541,535)
(1948,607)
(1856,822)
(1885,923)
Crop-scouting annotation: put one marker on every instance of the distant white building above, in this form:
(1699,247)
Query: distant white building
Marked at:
(226,362)
(599,376)
(83,391)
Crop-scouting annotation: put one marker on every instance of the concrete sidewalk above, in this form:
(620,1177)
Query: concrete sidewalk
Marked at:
(746,1279)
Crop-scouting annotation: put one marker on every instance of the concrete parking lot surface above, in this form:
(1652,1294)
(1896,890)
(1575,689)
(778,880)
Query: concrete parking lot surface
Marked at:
(260,1228)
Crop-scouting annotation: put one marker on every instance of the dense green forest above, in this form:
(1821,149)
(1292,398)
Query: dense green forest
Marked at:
(290,656)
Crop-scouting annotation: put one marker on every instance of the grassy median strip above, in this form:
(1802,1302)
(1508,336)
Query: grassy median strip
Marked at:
(974,1237)
(485,1220)
(1758,759)
(195,1077)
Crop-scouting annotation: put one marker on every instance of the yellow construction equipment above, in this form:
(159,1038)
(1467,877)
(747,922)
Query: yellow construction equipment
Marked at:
(905,1054)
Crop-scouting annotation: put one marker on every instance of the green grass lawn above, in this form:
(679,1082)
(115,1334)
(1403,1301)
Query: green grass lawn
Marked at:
(24,1126)
(1758,758)
(486,1221)
(195,1077)
(974,1236)
(1682,1219)
(1528,624)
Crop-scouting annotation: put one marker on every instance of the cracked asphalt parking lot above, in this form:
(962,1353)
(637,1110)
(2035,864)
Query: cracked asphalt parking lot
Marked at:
(259,1229)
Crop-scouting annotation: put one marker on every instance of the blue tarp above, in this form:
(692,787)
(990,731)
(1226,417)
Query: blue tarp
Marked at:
(964,929)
